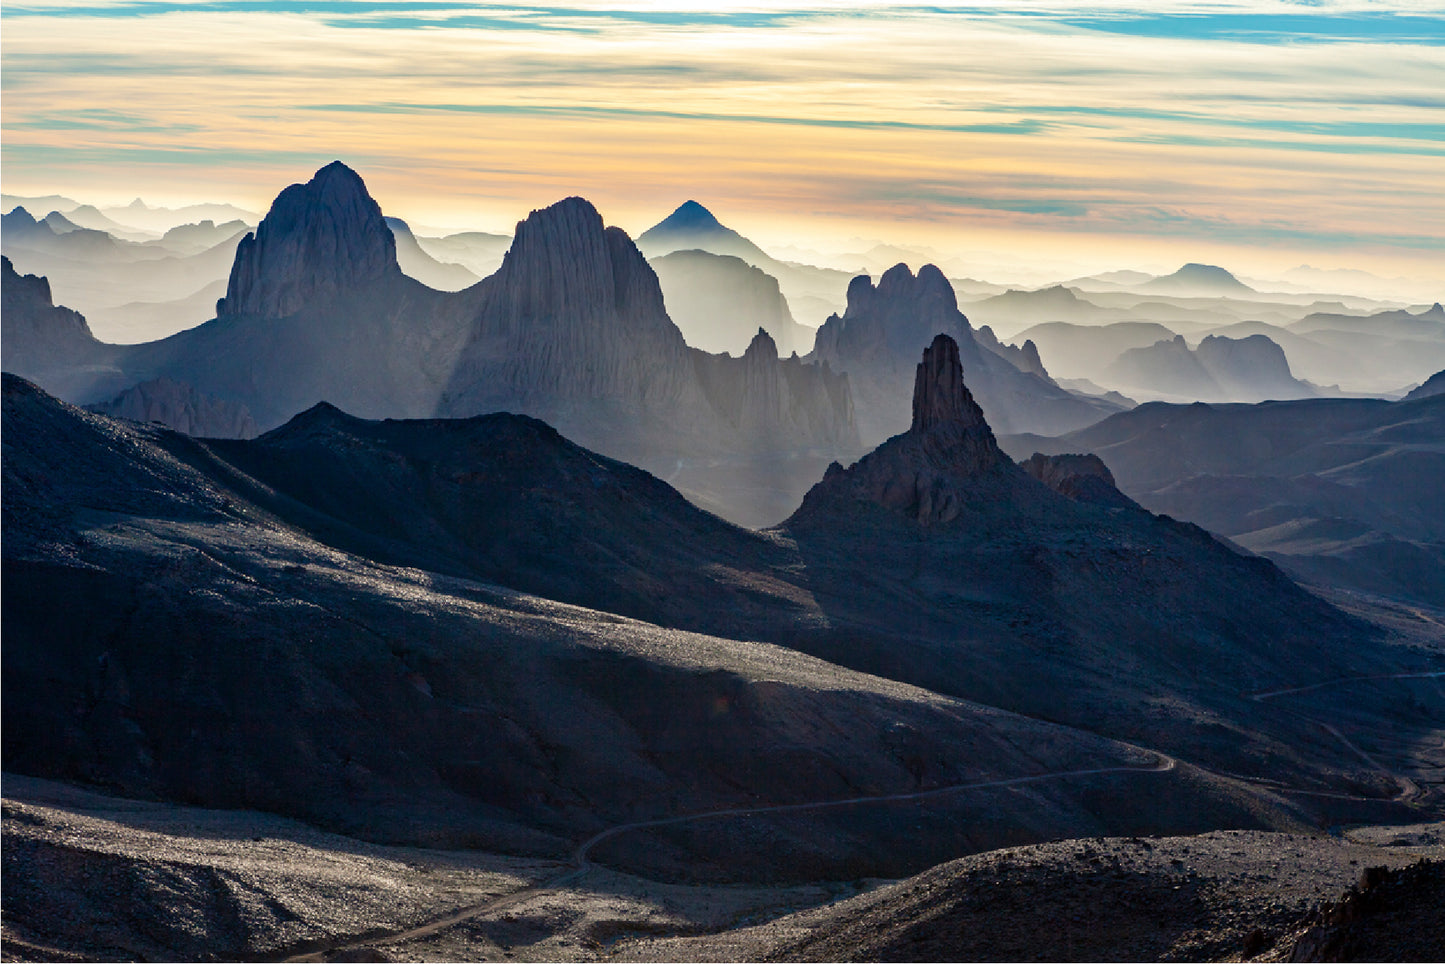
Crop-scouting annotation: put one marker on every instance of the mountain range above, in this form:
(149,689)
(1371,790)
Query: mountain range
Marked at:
(1340,492)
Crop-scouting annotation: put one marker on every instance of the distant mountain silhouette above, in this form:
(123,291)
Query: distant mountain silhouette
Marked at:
(876,340)
(719,301)
(416,262)
(1248,369)
(1198,280)
(1085,351)
(812,292)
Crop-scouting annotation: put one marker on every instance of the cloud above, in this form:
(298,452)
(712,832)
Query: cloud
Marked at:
(1296,122)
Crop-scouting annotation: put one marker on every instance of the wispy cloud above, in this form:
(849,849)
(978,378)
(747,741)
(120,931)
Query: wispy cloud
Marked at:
(1310,124)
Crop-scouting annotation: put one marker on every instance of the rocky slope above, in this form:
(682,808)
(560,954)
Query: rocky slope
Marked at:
(230,645)
(1341,492)
(877,341)
(181,407)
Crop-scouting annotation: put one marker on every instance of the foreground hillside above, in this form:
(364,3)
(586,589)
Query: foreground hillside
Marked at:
(475,634)
(96,877)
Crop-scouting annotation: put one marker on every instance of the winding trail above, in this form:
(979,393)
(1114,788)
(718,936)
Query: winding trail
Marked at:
(322,949)
(1409,788)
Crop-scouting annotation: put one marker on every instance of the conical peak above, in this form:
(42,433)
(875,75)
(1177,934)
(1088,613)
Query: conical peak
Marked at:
(693,216)
(939,395)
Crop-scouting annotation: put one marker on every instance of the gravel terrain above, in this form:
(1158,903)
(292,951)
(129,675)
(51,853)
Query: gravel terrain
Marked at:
(92,877)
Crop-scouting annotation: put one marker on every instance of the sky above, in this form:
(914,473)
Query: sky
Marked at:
(1035,137)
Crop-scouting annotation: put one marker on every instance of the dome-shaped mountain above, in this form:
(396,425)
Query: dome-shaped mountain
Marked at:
(1198,280)
(319,239)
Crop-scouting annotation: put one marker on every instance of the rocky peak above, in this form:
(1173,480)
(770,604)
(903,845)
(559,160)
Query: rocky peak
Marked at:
(320,240)
(564,262)
(939,395)
(931,473)
(690,216)
(762,347)
(1031,361)
(23,290)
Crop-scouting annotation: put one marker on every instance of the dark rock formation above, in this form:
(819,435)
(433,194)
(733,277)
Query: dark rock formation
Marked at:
(179,406)
(939,395)
(928,473)
(1083,478)
(877,341)
(320,239)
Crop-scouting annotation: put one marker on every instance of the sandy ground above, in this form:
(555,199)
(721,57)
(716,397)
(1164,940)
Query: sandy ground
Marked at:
(93,877)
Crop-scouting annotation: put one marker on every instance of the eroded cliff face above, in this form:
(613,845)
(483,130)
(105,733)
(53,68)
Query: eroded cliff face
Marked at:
(574,315)
(778,403)
(179,406)
(573,329)
(320,240)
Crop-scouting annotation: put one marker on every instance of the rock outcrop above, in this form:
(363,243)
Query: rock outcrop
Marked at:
(319,240)
(947,457)
(45,341)
(778,403)
(1083,478)
(573,329)
(877,340)
(179,406)
(573,316)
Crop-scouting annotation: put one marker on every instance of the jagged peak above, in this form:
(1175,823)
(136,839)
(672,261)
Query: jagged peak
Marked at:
(939,395)
(900,284)
(762,346)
